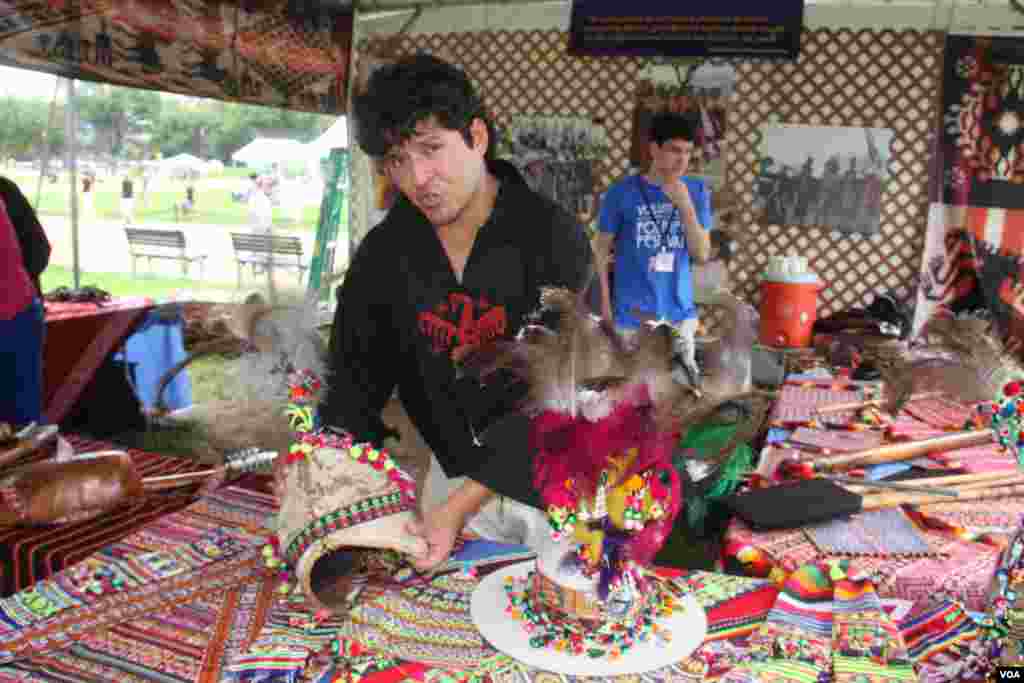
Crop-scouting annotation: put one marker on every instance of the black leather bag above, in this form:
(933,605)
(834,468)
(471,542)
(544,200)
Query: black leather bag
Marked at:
(788,506)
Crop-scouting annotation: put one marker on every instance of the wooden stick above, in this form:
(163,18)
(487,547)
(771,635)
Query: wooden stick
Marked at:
(907,450)
(857,485)
(156,483)
(965,482)
(1009,479)
(243,460)
(1005,479)
(961,478)
(893,500)
(873,403)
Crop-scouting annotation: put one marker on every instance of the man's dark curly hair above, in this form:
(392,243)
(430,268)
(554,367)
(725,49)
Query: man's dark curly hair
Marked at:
(669,125)
(402,94)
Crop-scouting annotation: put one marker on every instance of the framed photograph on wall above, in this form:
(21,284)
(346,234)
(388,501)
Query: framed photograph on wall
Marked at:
(698,88)
(829,176)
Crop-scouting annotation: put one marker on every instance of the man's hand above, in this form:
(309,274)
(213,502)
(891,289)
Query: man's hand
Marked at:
(439,530)
(442,525)
(677,192)
(697,239)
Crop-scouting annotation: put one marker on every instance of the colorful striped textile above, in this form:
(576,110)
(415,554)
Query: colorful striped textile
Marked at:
(978,459)
(796,405)
(429,633)
(825,626)
(940,412)
(188,599)
(840,440)
(171,602)
(29,554)
(967,537)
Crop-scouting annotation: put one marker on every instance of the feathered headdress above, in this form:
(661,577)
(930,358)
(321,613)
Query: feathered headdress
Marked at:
(342,502)
(606,418)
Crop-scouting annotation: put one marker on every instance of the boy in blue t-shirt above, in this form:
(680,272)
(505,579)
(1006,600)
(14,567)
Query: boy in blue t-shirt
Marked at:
(658,222)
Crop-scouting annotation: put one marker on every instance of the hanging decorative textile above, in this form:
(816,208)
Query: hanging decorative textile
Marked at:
(293,54)
(556,155)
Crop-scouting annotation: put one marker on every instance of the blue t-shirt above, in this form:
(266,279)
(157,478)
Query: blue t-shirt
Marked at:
(644,222)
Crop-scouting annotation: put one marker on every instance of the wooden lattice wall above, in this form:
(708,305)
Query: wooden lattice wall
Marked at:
(881,79)
(876,79)
(524,73)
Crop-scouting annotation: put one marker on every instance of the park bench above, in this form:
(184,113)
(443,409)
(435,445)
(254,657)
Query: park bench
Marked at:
(162,244)
(258,251)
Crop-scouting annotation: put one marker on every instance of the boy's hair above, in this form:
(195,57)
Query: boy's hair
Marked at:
(402,94)
(668,125)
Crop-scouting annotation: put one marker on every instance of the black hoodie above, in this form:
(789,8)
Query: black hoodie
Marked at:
(402,312)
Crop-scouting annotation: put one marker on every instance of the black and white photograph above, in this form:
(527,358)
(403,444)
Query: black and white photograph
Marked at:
(828,176)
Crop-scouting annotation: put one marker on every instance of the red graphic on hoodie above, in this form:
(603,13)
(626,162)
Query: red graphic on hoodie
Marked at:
(459,324)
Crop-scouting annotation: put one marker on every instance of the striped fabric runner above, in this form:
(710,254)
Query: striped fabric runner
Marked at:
(29,554)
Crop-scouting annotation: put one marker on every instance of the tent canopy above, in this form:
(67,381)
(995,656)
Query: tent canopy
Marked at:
(184,161)
(335,137)
(269,150)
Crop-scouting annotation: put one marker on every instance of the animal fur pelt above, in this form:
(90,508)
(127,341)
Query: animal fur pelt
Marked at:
(960,356)
(276,339)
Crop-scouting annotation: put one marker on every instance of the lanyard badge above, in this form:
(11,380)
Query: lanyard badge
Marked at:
(665,260)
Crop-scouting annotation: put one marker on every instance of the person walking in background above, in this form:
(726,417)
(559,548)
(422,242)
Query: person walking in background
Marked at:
(88,181)
(185,208)
(24,255)
(261,211)
(128,200)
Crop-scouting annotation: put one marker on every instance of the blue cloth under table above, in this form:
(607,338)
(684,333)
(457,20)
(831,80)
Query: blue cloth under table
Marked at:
(153,348)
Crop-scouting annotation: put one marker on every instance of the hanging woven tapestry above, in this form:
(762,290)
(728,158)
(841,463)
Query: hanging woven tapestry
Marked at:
(982,137)
(292,54)
(975,238)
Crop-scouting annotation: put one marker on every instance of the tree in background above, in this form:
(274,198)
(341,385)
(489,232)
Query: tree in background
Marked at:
(24,124)
(118,124)
(122,118)
(214,129)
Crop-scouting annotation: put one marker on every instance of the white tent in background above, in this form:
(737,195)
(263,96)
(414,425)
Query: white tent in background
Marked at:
(182,164)
(269,150)
(184,160)
(334,137)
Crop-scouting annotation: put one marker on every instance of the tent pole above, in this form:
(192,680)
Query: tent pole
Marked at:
(72,145)
(44,163)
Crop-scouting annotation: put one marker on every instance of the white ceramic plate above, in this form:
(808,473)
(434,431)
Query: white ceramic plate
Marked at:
(688,626)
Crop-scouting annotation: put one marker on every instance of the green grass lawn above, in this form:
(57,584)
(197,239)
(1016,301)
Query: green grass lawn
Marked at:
(208,379)
(214,203)
(124,285)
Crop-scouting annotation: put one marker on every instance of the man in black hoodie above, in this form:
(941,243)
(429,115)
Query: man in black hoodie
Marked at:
(459,261)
